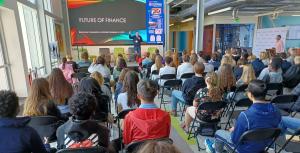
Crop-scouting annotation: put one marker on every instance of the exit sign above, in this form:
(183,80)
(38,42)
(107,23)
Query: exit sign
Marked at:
(1,2)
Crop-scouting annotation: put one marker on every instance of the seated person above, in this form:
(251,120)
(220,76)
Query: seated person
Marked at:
(211,93)
(71,62)
(120,65)
(67,70)
(156,66)
(119,84)
(214,61)
(208,67)
(294,106)
(147,60)
(264,57)
(185,67)
(147,121)
(100,66)
(104,87)
(272,73)
(285,65)
(80,131)
(84,62)
(257,64)
(158,147)
(167,69)
(292,76)
(238,69)
(262,114)
(189,88)
(290,123)
(16,136)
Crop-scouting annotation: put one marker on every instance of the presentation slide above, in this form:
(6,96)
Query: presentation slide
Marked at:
(106,22)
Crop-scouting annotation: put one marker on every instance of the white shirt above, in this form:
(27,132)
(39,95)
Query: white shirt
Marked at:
(185,67)
(166,70)
(105,72)
(122,100)
(154,68)
(208,67)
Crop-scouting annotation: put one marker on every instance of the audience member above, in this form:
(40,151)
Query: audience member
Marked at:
(272,73)
(99,66)
(230,61)
(84,62)
(285,65)
(80,131)
(257,64)
(226,79)
(147,60)
(185,67)
(226,60)
(67,70)
(107,58)
(199,56)
(70,61)
(120,65)
(128,98)
(104,88)
(175,59)
(16,136)
(292,76)
(292,53)
(214,61)
(91,86)
(167,69)
(147,121)
(158,147)
(194,58)
(238,69)
(208,67)
(211,93)
(244,55)
(247,76)
(292,106)
(189,88)
(156,66)
(235,54)
(157,52)
(264,57)
(119,84)
(262,114)
(39,101)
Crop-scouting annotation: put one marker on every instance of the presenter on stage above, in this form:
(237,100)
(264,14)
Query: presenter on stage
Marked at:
(279,45)
(137,39)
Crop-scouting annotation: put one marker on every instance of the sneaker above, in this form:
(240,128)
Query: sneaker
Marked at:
(209,146)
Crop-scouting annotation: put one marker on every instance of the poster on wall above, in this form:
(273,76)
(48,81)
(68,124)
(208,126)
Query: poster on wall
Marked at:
(266,38)
(155,21)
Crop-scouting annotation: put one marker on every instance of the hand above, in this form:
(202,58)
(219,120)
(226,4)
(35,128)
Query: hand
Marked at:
(231,129)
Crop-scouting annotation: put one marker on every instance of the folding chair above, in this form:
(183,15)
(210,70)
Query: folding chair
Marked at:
(135,146)
(274,89)
(146,70)
(288,145)
(164,78)
(204,125)
(186,76)
(45,126)
(232,99)
(285,99)
(242,104)
(120,116)
(154,72)
(256,135)
(98,149)
(171,84)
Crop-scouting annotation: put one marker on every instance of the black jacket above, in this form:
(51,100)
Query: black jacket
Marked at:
(74,131)
(136,40)
(292,76)
(190,88)
(17,137)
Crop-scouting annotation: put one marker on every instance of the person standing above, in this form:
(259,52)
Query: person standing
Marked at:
(137,40)
(279,46)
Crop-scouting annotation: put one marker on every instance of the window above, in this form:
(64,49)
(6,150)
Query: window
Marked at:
(52,41)
(32,1)
(4,79)
(47,5)
(32,39)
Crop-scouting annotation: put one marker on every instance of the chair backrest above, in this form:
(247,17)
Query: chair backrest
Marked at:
(123,113)
(278,87)
(257,135)
(284,99)
(187,75)
(83,70)
(134,146)
(154,72)
(168,76)
(241,88)
(212,106)
(84,150)
(173,83)
(245,102)
(45,125)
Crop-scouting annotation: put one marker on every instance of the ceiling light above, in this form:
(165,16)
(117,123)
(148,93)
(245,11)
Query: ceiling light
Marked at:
(188,19)
(171,25)
(177,4)
(296,15)
(220,11)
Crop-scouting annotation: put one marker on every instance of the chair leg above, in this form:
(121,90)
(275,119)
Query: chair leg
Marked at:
(228,121)
(183,111)
(190,129)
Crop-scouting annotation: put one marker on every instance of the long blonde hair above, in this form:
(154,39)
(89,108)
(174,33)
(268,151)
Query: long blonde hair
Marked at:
(158,62)
(226,79)
(38,98)
(214,92)
(248,74)
(226,59)
(193,58)
(98,76)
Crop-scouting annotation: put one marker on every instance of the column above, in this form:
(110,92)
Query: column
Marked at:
(167,28)
(199,26)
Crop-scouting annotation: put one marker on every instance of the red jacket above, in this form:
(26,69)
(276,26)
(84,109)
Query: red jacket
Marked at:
(143,124)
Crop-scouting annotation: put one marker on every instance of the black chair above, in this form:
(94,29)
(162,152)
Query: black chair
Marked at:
(120,116)
(79,75)
(274,89)
(232,100)
(169,84)
(165,77)
(45,126)
(205,125)
(257,135)
(135,146)
(288,145)
(147,70)
(187,75)
(84,150)
(241,104)
(83,70)
(285,99)
(154,72)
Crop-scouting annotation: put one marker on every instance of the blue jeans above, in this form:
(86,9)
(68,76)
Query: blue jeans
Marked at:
(289,123)
(137,49)
(222,137)
(176,97)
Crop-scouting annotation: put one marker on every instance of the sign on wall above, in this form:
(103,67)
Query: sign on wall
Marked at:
(155,21)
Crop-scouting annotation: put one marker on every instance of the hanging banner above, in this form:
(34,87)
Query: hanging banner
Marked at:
(155,21)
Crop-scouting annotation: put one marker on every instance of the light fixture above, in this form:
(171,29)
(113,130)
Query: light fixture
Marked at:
(177,4)
(220,11)
(187,20)
(171,25)
(296,15)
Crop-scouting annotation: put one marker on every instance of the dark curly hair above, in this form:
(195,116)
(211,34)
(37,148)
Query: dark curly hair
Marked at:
(9,103)
(82,105)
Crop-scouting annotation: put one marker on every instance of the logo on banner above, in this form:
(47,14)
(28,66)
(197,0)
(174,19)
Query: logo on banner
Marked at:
(156,11)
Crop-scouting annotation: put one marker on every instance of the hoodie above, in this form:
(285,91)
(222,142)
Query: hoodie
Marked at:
(143,124)
(81,133)
(259,115)
(17,137)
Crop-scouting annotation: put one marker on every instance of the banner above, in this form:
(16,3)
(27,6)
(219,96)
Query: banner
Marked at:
(155,21)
